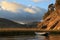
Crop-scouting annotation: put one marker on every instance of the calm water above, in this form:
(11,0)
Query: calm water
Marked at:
(29,37)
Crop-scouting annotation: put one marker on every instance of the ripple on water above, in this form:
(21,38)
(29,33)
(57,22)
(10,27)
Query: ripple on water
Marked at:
(30,37)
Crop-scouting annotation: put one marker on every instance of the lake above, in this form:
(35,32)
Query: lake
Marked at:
(31,37)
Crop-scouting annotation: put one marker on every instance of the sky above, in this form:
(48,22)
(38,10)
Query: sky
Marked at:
(38,3)
(20,13)
(13,11)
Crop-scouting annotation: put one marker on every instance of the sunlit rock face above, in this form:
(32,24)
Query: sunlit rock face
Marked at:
(52,22)
(20,13)
(57,6)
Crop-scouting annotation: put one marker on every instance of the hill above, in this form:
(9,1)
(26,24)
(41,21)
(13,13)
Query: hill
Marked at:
(5,23)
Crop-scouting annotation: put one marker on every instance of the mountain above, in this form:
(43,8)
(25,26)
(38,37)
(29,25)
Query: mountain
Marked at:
(5,23)
(52,21)
(20,13)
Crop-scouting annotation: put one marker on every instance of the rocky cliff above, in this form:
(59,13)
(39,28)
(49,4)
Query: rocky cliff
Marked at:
(52,21)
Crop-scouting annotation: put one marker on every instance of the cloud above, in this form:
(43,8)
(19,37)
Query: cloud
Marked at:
(11,6)
(40,1)
(29,10)
(21,13)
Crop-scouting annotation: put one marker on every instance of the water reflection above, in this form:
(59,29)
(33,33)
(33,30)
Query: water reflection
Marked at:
(54,37)
(29,37)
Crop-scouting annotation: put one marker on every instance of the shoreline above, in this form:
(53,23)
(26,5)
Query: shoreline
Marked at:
(17,33)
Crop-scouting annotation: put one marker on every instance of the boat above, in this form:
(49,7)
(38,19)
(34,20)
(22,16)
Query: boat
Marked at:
(42,33)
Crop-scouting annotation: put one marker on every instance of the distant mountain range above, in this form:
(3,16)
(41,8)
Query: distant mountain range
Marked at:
(5,23)
(20,13)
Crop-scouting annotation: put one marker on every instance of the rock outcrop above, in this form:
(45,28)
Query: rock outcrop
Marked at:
(52,21)
(51,8)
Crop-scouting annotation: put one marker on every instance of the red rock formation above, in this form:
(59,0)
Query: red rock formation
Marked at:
(50,10)
(52,22)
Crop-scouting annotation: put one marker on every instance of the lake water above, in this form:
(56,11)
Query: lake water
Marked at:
(30,37)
